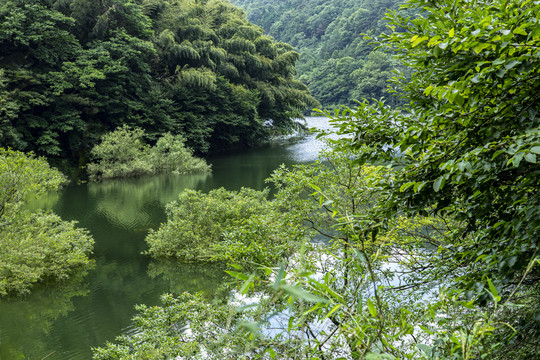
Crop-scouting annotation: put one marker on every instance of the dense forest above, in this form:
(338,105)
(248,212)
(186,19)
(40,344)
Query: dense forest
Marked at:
(336,62)
(429,213)
(73,70)
(416,233)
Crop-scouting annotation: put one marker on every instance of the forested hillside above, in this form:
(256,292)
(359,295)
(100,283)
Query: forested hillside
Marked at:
(72,70)
(336,63)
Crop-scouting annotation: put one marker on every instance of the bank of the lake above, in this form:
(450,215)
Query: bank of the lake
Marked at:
(65,320)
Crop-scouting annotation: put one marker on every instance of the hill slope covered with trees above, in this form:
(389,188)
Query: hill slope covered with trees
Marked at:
(336,62)
(72,70)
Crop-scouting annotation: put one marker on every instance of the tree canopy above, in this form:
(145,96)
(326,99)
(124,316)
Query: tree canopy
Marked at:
(72,70)
(431,211)
(336,62)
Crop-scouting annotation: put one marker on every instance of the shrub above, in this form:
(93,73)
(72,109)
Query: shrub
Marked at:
(34,246)
(224,225)
(171,155)
(40,247)
(123,153)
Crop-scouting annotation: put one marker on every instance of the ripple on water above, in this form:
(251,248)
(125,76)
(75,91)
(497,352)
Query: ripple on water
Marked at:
(66,322)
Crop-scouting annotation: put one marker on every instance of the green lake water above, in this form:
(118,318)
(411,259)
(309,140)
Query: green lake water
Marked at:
(65,320)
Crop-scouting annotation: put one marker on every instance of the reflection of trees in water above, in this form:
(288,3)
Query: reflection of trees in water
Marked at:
(131,203)
(25,322)
(42,202)
(37,325)
(189,277)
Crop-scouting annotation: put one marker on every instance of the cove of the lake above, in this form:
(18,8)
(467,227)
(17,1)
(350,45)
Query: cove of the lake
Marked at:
(65,320)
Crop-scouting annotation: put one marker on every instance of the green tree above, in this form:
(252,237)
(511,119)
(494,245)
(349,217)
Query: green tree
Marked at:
(438,259)
(466,147)
(329,38)
(224,75)
(470,144)
(372,79)
(51,105)
(35,41)
(73,70)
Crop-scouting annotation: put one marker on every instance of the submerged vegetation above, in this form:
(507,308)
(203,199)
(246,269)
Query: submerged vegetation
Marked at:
(123,153)
(430,212)
(221,226)
(34,247)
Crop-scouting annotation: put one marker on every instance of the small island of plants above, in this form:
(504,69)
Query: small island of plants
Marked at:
(123,153)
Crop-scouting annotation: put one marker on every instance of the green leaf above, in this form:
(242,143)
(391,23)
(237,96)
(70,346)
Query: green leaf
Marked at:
(530,157)
(511,64)
(535,150)
(279,277)
(497,153)
(247,284)
(516,160)
(324,288)
(405,186)
(478,48)
(334,309)
(374,356)
(459,100)
(437,184)
(237,275)
(419,185)
(371,308)
(359,303)
(419,40)
(428,90)
(493,291)
(425,349)
(520,31)
(271,352)
(299,293)
(241,309)
(426,330)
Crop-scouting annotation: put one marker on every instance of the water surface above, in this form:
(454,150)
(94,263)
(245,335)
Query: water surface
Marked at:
(65,320)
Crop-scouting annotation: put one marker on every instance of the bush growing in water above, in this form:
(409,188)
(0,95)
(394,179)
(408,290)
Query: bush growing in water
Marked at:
(123,153)
(224,225)
(34,246)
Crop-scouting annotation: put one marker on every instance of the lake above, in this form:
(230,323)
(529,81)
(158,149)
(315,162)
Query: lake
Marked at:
(65,320)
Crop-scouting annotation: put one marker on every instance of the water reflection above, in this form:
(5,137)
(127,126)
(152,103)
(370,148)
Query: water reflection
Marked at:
(65,321)
(131,203)
(37,313)
(169,271)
